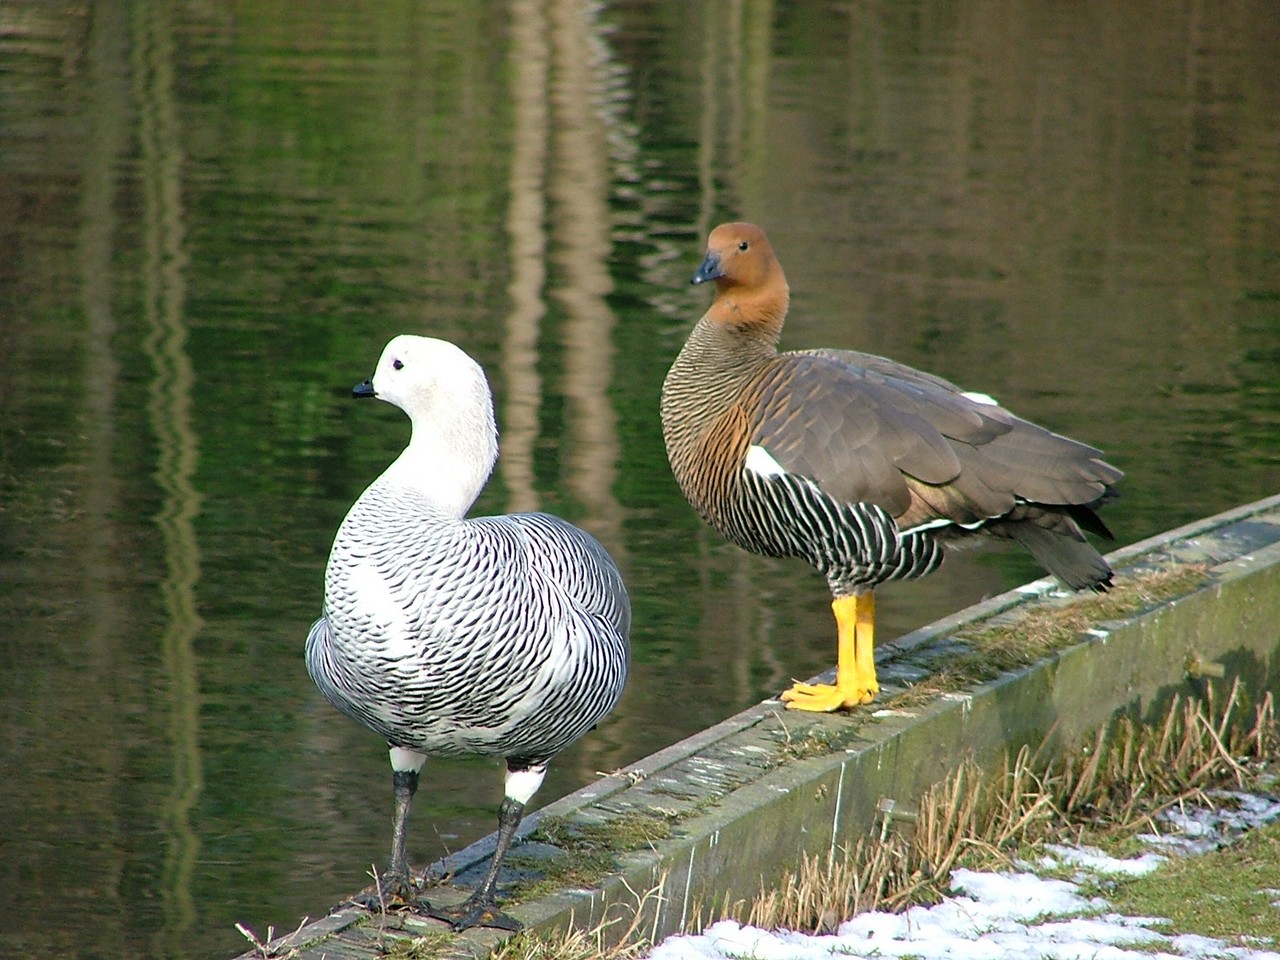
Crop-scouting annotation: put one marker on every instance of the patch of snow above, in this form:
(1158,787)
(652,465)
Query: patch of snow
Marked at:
(1195,830)
(1095,861)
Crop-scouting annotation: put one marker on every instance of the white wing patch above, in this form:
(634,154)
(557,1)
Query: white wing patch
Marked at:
(940,522)
(384,611)
(983,398)
(759,461)
(927,525)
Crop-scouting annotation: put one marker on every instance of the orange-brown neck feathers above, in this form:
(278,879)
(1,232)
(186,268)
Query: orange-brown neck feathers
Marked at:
(751,289)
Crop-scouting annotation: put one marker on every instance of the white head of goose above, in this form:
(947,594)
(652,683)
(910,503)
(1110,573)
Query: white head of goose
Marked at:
(503,636)
(862,466)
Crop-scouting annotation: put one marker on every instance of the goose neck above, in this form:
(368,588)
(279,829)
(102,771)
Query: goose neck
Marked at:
(445,468)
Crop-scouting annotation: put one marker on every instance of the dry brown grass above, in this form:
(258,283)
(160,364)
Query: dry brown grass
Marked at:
(619,937)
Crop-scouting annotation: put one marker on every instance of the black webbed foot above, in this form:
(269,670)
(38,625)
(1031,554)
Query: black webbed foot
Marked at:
(476,911)
(391,892)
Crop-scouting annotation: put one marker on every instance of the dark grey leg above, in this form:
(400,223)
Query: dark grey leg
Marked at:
(481,908)
(396,881)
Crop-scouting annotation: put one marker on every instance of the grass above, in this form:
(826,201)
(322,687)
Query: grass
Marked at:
(1227,894)
(619,937)
(633,832)
(422,947)
(814,742)
(262,946)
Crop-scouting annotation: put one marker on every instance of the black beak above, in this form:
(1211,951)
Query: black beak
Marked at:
(364,389)
(709,270)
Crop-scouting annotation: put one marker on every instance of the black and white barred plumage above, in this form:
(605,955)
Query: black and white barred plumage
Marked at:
(504,636)
(854,545)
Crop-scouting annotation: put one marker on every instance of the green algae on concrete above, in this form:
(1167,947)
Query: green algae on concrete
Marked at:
(745,798)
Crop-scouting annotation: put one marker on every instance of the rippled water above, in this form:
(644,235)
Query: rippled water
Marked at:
(212,216)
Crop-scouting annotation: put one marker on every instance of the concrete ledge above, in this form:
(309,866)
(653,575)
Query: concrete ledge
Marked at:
(735,805)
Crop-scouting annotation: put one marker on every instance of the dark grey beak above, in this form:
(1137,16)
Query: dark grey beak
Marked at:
(709,270)
(364,389)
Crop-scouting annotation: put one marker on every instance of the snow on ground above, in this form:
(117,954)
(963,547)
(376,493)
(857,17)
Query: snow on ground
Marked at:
(1012,913)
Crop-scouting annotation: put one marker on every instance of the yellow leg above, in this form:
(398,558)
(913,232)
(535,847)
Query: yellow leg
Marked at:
(855,664)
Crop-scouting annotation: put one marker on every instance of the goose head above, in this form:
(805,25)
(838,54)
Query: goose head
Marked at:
(751,290)
(446,396)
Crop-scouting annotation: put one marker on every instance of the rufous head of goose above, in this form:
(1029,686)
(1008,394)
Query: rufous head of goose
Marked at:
(751,289)
(446,395)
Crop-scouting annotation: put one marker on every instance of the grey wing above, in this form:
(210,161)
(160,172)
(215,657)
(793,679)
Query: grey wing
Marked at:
(867,429)
(856,431)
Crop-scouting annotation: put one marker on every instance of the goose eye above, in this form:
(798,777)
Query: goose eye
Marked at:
(397,364)
(743,245)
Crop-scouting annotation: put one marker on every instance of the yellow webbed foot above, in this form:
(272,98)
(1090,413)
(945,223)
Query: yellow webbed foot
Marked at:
(826,697)
(856,683)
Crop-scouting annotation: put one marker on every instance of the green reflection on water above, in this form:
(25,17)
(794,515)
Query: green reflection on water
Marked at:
(169,416)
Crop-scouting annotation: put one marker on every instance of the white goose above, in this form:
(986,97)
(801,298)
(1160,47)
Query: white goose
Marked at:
(503,636)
